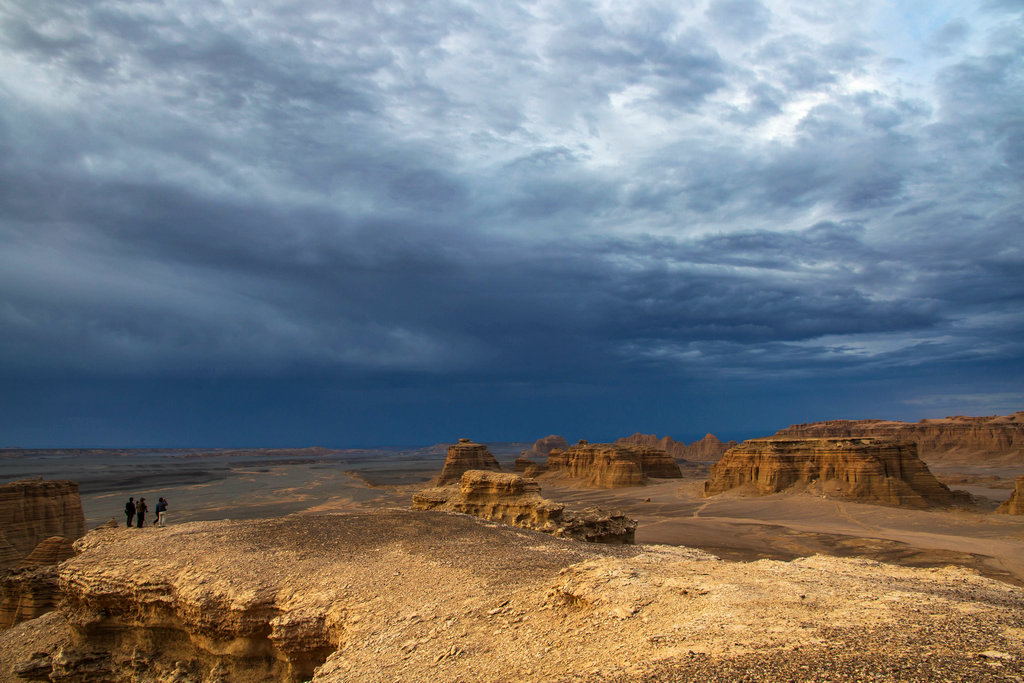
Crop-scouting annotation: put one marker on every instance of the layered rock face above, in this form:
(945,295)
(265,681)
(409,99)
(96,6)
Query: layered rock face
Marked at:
(399,595)
(269,600)
(608,465)
(862,469)
(666,443)
(990,440)
(511,499)
(27,593)
(1014,505)
(34,510)
(708,449)
(541,447)
(466,455)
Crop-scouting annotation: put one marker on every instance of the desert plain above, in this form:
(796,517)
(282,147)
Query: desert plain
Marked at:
(309,564)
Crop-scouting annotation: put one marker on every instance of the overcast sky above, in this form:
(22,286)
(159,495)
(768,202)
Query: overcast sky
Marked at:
(353,223)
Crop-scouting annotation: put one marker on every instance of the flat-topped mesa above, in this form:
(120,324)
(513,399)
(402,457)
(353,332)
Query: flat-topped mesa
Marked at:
(33,510)
(996,439)
(466,455)
(1014,505)
(512,499)
(613,465)
(862,469)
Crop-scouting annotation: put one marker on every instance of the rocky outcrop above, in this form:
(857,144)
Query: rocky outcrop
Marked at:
(511,499)
(1014,505)
(466,455)
(399,595)
(27,593)
(51,551)
(993,440)
(708,449)
(33,510)
(862,469)
(666,443)
(541,447)
(612,465)
(191,603)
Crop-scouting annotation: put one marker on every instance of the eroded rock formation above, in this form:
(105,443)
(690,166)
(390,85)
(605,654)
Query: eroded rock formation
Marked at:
(511,499)
(33,510)
(541,447)
(708,449)
(863,469)
(1014,505)
(27,593)
(395,595)
(666,443)
(466,455)
(995,440)
(611,465)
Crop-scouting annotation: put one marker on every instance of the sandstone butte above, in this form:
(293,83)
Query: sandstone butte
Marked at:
(992,440)
(511,499)
(1014,505)
(466,455)
(401,595)
(609,465)
(863,469)
(708,449)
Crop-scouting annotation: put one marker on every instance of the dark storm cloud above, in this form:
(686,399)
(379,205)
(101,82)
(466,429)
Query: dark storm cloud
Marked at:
(554,194)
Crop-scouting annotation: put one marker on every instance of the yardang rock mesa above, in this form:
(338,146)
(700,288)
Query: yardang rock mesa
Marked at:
(609,465)
(511,499)
(863,469)
(466,455)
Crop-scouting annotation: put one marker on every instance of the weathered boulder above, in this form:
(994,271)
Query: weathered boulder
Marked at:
(863,469)
(608,465)
(466,455)
(994,440)
(33,510)
(512,499)
(1014,505)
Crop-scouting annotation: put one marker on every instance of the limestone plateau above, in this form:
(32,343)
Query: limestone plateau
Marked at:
(466,455)
(1014,505)
(611,465)
(401,595)
(511,499)
(863,469)
(992,440)
(708,449)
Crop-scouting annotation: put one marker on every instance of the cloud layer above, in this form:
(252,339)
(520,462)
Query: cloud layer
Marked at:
(546,195)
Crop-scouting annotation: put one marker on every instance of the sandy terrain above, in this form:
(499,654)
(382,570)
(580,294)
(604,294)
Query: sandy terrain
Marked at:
(789,525)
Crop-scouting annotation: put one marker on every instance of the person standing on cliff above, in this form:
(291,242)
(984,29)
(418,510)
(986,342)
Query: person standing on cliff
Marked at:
(161,512)
(129,510)
(140,511)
